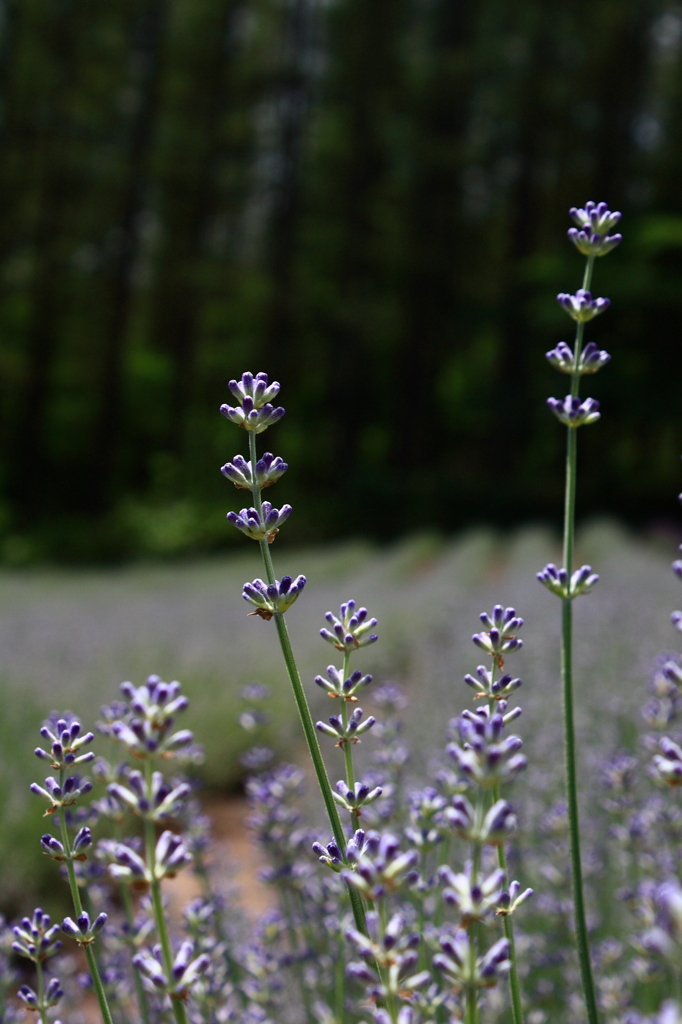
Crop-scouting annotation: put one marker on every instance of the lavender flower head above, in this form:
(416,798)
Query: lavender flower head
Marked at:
(556,580)
(380,868)
(460,965)
(250,417)
(270,598)
(582,306)
(591,237)
(591,358)
(255,411)
(337,686)
(36,937)
(51,996)
(82,929)
(269,468)
(66,743)
(260,527)
(483,753)
(351,629)
(574,413)
(184,972)
(255,388)
(501,636)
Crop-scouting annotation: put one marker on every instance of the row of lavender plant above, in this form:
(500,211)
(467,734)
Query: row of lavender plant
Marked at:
(409,917)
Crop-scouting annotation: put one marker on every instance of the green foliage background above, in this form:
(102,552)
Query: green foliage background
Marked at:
(368,200)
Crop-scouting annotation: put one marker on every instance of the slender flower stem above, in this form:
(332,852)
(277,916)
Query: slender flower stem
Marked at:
(581,935)
(129,909)
(178,1005)
(304,710)
(347,746)
(127,900)
(41,992)
(514,980)
(471,990)
(471,1004)
(78,907)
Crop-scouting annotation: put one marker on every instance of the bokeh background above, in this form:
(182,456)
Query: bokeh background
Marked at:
(368,200)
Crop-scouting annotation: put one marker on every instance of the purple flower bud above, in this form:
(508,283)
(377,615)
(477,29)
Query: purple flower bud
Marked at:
(573,412)
(582,306)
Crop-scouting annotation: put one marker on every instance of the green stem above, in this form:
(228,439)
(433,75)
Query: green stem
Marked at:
(178,1005)
(514,980)
(41,992)
(304,710)
(127,900)
(129,909)
(471,991)
(348,746)
(472,1004)
(581,935)
(78,907)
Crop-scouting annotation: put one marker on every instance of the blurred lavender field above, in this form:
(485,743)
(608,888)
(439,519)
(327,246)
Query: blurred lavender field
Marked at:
(69,638)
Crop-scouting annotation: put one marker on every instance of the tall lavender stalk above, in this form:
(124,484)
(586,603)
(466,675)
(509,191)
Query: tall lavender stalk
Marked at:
(591,238)
(272,597)
(67,743)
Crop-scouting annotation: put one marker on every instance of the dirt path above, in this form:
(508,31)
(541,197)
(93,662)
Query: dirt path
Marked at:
(235,856)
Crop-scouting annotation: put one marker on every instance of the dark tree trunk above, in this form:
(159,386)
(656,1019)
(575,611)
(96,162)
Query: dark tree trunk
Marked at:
(147,45)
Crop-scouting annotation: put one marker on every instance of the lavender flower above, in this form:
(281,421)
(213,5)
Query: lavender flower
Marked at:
(270,598)
(255,388)
(347,733)
(511,899)
(591,238)
(356,846)
(591,358)
(494,689)
(394,950)
(556,580)
(573,412)
(355,797)
(36,937)
(147,732)
(268,469)
(83,930)
(482,753)
(184,973)
(51,996)
(668,764)
(252,417)
(581,306)
(337,686)
(351,629)
(498,824)
(66,742)
(379,868)
(664,938)
(58,796)
(427,821)
(130,867)
(501,638)
(55,850)
(260,527)
(157,799)
(475,899)
(460,965)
